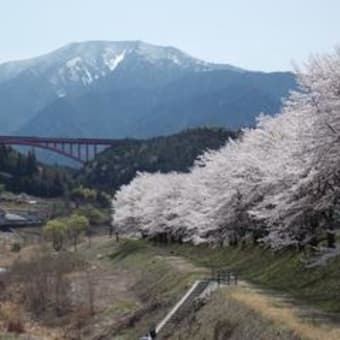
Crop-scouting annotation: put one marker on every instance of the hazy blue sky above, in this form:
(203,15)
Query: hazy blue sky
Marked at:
(254,34)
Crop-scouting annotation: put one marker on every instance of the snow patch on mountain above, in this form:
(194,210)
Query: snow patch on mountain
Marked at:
(73,62)
(74,70)
(87,78)
(111,59)
(79,65)
(61,93)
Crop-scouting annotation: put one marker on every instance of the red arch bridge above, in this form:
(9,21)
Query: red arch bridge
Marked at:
(78,149)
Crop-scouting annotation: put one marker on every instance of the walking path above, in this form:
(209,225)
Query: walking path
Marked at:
(305,321)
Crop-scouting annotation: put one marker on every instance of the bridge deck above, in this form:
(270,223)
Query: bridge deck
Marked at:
(78,149)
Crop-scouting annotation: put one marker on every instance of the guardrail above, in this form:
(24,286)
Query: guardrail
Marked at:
(217,278)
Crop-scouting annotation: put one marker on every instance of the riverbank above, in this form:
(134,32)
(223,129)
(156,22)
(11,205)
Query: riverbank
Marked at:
(286,271)
(135,283)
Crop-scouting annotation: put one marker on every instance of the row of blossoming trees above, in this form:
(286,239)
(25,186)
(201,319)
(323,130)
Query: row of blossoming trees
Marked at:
(278,183)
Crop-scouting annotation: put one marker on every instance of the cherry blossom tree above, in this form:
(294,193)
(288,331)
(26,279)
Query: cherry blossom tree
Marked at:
(278,183)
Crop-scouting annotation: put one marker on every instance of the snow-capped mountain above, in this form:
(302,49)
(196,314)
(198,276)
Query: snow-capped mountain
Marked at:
(130,89)
(79,65)
(27,86)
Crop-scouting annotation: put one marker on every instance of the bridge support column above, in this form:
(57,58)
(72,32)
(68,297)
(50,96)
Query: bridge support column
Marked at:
(79,152)
(87,152)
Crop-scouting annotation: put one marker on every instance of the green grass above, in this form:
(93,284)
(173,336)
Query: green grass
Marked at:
(158,283)
(283,271)
(8,337)
(158,280)
(120,307)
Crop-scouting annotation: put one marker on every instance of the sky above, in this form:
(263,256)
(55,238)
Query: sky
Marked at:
(266,35)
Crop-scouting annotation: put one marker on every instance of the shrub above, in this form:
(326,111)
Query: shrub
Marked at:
(15,326)
(16,247)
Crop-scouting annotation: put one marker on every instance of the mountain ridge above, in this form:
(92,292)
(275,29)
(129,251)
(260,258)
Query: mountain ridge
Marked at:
(131,89)
(92,50)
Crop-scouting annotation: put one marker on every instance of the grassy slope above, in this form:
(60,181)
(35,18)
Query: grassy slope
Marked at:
(161,281)
(283,271)
(223,317)
(158,283)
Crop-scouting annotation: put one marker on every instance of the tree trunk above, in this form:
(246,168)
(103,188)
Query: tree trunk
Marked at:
(75,242)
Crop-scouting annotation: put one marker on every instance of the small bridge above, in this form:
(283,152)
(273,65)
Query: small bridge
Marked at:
(78,149)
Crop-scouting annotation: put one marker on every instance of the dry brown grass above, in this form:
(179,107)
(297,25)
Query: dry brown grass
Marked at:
(98,295)
(239,313)
(14,321)
(183,265)
(8,257)
(223,317)
(281,312)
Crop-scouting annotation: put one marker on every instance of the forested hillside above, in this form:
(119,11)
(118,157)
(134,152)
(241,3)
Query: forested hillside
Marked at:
(112,168)
(23,173)
(118,165)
